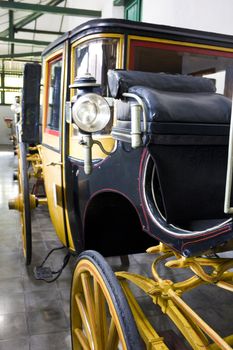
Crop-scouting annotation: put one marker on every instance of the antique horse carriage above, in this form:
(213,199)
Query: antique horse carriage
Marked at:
(134,154)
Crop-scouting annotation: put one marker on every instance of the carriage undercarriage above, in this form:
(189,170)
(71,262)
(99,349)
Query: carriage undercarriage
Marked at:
(164,293)
(167,295)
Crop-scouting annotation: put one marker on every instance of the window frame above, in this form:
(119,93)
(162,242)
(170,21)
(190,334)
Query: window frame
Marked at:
(8,88)
(75,149)
(86,39)
(207,50)
(129,4)
(50,139)
(57,57)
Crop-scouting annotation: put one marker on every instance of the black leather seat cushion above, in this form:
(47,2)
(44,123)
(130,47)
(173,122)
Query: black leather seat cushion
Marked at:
(184,107)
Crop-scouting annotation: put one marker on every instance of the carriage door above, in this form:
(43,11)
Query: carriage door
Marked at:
(51,139)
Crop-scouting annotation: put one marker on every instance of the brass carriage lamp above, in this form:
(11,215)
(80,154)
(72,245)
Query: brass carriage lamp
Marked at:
(90,112)
(84,84)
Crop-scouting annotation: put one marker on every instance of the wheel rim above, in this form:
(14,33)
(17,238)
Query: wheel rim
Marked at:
(25,213)
(95,323)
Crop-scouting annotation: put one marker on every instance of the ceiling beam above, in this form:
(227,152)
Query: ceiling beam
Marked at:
(11,23)
(11,28)
(23,54)
(25,41)
(49,9)
(38,31)
(32,17)
(28,19)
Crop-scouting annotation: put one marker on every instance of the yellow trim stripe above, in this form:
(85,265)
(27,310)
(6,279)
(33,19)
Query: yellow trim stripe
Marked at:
(67,223)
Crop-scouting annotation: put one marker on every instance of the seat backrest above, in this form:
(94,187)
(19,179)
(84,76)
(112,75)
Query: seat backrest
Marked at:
(120,81)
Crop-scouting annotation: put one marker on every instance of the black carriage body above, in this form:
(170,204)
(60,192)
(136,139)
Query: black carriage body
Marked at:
(113,209)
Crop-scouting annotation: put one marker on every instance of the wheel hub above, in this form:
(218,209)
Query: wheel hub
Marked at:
(18,204)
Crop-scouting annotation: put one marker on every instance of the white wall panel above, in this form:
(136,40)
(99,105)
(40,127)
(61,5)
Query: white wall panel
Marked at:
(209,15)
(5,111)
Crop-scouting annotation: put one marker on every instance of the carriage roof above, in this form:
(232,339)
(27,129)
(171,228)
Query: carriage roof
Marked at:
(113,25)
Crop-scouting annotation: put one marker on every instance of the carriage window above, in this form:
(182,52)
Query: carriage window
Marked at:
(96,57)
(157,57)
(54,94)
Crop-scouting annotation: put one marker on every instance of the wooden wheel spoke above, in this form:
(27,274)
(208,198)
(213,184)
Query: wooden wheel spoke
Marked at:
(85,319)
(101,316)
(82,339)
(113,339)
(89,300)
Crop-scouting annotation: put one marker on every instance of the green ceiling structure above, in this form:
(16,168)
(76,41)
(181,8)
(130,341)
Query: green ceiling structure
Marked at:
(25,41)
(49,9)
(37,10)
(21,55)
(28,19)
(38,31)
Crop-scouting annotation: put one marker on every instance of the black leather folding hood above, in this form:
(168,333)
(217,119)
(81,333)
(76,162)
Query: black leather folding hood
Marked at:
(120,81)
(173,97)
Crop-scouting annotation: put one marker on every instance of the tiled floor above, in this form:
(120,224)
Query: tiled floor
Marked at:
(34,315)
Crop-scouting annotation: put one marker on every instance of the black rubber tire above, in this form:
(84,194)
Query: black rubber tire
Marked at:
(26,210)
(124,315)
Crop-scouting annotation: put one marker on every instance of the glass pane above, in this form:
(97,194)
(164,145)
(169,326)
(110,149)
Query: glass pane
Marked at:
(96,57)
(151,58)
(10,96)
(13,81)
(54,94)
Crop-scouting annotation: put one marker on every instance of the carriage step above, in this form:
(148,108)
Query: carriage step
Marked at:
(42,273)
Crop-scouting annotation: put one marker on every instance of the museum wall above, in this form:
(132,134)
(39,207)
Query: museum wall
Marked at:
(209,15)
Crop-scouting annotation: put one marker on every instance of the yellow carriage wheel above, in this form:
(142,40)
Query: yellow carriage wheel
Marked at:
(24,195)
(100,315)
